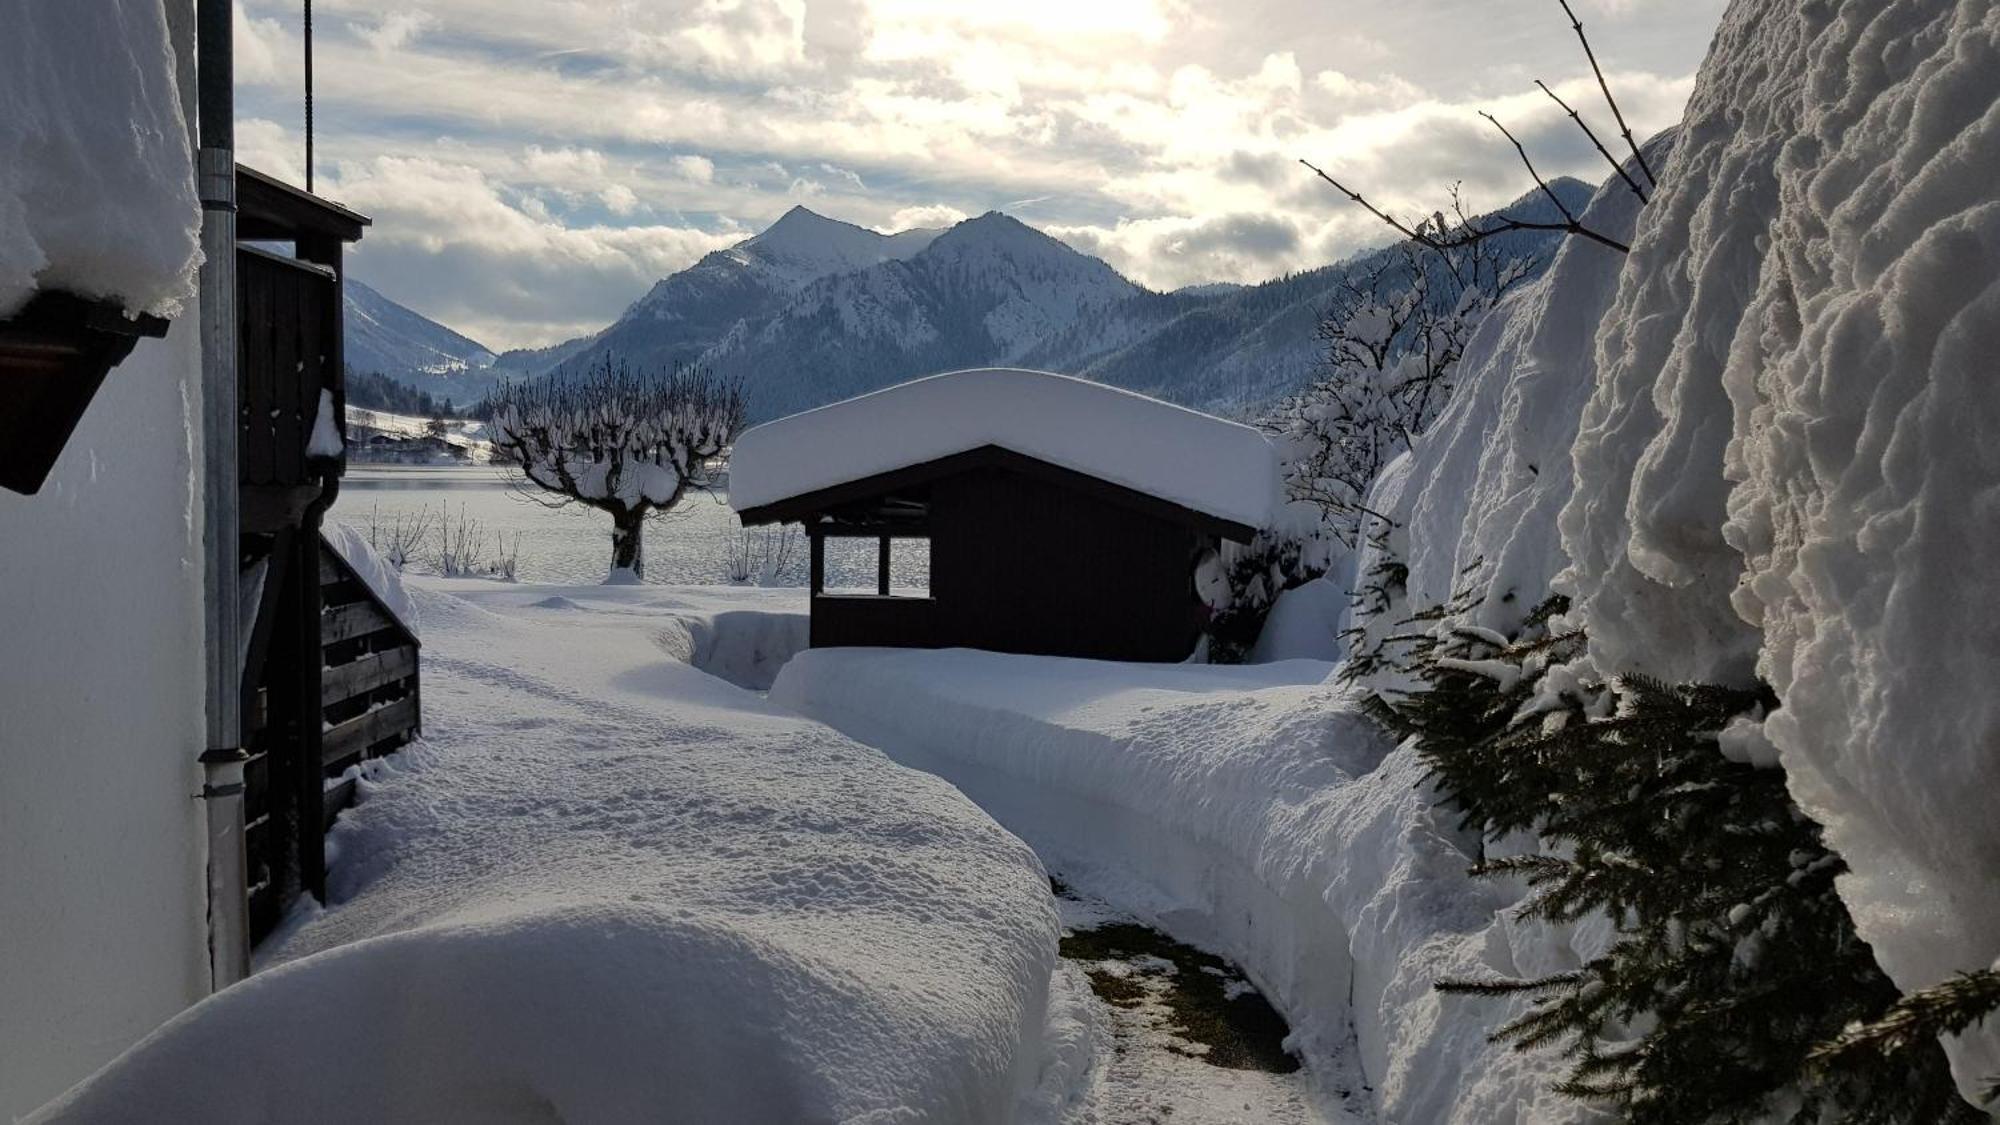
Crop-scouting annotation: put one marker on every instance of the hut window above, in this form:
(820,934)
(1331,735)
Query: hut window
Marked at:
(854,566)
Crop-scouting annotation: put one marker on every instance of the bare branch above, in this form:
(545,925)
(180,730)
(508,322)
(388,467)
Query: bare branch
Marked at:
(1602,151)
(1468,236)
(1624,129)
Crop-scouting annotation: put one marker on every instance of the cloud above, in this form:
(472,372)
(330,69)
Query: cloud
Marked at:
(698,169)
(930,216)
(397,29)
(619,199)
(1164,134)
(448,242)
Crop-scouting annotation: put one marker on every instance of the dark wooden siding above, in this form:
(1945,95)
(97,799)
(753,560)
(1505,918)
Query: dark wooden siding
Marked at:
(840,620)
(1020,564)
(288,317)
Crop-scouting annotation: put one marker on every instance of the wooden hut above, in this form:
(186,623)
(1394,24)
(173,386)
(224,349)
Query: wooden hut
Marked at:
(1063,517)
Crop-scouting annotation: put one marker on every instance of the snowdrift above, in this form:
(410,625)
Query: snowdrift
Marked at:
(97,192)
(1251,811)
(1786,470)
(1478,493)
(610,888)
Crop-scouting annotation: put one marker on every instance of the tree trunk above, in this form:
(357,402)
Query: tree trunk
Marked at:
(628,553)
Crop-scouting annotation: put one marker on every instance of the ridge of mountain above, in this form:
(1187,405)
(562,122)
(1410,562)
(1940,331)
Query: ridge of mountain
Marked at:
(381,335)
(813,310)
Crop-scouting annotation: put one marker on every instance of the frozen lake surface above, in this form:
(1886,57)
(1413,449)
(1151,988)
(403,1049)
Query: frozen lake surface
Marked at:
(691,545)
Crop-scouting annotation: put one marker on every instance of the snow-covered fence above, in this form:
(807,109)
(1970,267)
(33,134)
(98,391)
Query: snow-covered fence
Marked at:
(369,690)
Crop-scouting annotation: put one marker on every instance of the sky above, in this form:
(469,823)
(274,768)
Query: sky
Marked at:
(533,166)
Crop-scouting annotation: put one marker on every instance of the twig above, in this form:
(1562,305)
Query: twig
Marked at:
(1471,235)
(1623,128)
(1602,151)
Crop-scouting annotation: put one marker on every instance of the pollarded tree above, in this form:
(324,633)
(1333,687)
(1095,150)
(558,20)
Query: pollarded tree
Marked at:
(622,442)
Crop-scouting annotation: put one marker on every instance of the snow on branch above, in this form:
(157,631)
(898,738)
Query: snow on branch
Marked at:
(623,442)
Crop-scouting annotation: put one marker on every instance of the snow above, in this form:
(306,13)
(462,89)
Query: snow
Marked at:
(326,440)
(1200,462)
(1480,492)
(467,435)
(97,192)
(803,246)
(609,887)
(1253,812)
(1304,624)
(377,573)
(1786,471)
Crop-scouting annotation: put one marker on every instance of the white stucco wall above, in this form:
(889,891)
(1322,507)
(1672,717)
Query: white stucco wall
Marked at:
(102,927)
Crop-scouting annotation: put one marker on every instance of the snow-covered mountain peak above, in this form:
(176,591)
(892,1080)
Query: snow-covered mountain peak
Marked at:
(803,246)
(995,232)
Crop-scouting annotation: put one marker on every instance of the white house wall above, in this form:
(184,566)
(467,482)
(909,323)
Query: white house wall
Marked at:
(102,844)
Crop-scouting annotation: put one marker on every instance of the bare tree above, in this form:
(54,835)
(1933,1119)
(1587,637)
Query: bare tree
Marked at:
(1393,337)
(624,443)
(1442,239)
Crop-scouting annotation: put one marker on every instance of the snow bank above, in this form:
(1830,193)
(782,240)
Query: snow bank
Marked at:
(743,646)
(1201,462)
(1248,810)
(97,191)
(1304,624)
(1787,470)
(610,888)
(381,578)
(1478,493)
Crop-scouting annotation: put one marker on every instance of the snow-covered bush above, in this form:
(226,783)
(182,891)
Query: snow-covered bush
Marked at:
(1733,957)
(622,442)
(1394,337)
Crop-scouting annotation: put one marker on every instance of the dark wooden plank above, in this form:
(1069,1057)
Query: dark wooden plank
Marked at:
(355,735)
(336,798)
(366,674)
(357,619)
(287,438)
(818,561)
(310,795)
(330,571)
(253,362)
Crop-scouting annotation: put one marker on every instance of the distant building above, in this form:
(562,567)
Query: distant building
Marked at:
(1063,517)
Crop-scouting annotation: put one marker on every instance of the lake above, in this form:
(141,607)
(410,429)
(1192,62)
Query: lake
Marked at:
(690,546)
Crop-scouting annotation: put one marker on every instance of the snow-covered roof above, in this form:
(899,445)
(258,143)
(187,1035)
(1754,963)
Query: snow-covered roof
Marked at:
(1195,460)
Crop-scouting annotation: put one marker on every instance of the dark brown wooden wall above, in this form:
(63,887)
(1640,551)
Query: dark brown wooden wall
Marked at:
(1021,564)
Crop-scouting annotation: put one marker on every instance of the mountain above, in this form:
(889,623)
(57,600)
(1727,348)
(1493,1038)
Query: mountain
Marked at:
(814,310)
(686,314)
(984,292)
(381,335)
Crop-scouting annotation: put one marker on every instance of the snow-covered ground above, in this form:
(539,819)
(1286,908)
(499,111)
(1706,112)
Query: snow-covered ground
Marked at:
(609,887)
(1251,811)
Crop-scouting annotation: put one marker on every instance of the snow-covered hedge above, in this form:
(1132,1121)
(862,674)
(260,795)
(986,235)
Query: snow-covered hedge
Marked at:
(97,192)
